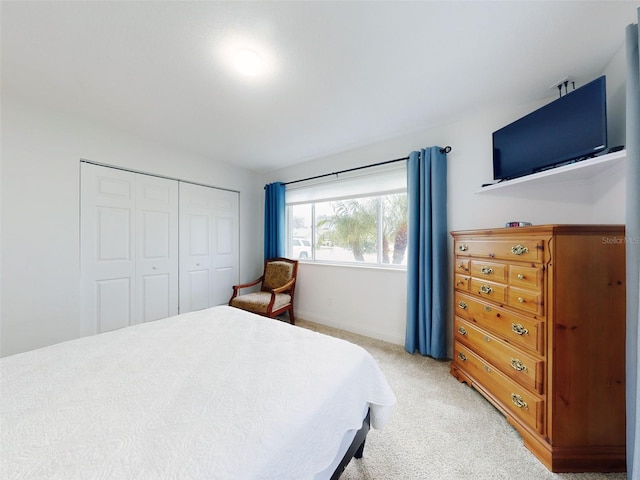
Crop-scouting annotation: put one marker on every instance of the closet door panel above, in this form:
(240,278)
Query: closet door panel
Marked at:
(156,297)
(208,246)
(156,235)
(198,290)
(107,216)
(157,247)
(224,279)
(113,299)
(195,247)
(226,241)
(198,233)
(113,234)
(224,237)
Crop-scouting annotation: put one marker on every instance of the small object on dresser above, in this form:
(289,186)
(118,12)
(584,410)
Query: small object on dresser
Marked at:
(517,224)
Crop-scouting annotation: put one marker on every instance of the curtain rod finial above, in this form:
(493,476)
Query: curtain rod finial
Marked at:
(446,149)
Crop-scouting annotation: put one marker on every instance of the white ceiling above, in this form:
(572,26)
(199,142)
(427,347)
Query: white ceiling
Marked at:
(341,74)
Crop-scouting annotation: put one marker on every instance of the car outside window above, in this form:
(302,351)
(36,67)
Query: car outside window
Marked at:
(301,248)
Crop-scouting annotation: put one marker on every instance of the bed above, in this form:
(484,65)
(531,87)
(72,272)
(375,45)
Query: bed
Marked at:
(215,394)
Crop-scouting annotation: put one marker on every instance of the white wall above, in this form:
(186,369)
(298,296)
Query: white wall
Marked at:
(610,192)
(39,240)
(373,301)
(41,152)
(369,301)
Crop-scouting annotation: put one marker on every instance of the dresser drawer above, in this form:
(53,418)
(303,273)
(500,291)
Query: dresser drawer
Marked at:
(496,272)
(526,300)
(462,265)
(527,250)
(519,366)
(521,403)
(515,329)
(525,277)
(462,282)
(490,290)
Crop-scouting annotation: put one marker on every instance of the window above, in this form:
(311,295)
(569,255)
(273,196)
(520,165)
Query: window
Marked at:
(326,224)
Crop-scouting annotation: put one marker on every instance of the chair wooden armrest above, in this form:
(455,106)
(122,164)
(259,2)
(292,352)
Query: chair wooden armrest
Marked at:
(236,288)
(285,287)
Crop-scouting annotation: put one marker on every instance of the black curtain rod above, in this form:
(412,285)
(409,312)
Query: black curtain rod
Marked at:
(446,149)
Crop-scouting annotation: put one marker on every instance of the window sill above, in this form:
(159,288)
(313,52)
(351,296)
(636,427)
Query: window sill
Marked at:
(366,266)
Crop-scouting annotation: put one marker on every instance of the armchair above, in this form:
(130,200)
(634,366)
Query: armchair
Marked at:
(278,283)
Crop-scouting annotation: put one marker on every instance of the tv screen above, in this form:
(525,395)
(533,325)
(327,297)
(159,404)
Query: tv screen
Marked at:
(570,128)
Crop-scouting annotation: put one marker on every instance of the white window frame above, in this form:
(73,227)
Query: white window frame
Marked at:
(382,182)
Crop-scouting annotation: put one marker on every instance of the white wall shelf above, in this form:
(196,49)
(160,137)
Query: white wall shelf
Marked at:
(585,171)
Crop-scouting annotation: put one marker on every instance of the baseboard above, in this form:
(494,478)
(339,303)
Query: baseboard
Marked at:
(352,328)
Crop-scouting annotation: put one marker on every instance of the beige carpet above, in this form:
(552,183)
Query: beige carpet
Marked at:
(440,429)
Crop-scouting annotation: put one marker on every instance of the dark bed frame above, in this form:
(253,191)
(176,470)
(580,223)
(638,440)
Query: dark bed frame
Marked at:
(356,449)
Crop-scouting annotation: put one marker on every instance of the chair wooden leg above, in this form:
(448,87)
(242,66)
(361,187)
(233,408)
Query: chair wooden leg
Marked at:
(292,319)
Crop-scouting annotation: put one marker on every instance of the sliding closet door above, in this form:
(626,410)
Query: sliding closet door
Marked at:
(107,218)
(208,246)
(129,248)
(152,247)
(195,247)
(156,248)
(226,269)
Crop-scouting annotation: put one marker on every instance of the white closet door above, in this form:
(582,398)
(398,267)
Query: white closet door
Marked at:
(226,272)
(195,247)
(153,247)
(107,217)
(208,246)
(156,248)
(129,248)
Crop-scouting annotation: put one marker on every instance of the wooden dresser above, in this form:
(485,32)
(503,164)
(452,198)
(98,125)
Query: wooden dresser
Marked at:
(539,330)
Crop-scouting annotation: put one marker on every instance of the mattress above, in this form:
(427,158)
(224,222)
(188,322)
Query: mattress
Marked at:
(215,394)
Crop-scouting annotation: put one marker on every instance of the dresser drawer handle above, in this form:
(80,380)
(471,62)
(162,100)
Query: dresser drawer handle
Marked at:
(462,356)
(462,331)
(519,250)
(485,289)
(517,364)
(487,309)
(519,329)
(486,369)
(462,305)
(520,276)
(518,401)
(463,267)
(463,248)
(520,300)
(486,270)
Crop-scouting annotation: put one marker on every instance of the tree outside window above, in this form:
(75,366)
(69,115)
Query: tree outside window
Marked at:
(368,230)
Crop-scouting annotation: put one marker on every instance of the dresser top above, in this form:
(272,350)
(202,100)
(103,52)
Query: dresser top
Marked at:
(550,229)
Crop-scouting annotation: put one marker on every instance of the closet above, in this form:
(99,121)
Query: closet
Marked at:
(208,246)
(152,247)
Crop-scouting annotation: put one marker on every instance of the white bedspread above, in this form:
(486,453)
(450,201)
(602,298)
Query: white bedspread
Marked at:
(215,394)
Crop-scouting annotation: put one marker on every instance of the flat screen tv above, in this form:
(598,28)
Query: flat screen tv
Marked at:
(571,127)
